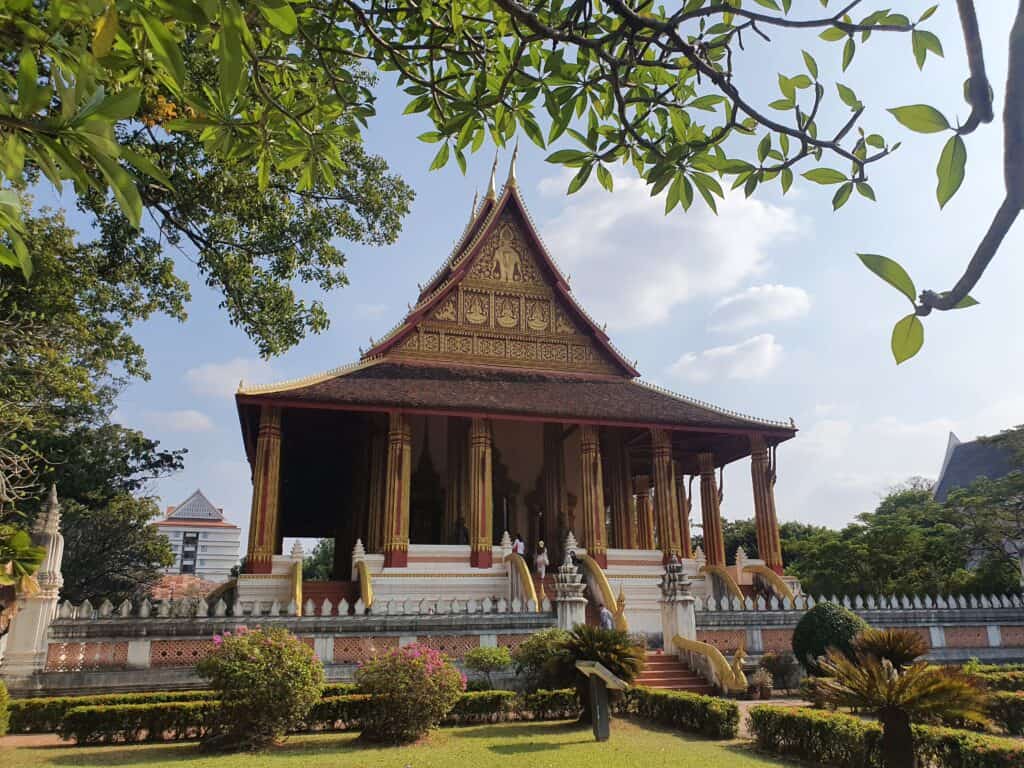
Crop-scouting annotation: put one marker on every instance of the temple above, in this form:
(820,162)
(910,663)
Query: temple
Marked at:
(498,407)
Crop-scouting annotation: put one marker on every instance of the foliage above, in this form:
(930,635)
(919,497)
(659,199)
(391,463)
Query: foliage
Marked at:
(43,715)
(1001,681)
(488,660)
(784,669)
(343,712)
(761,678)
(610,647)
(5,714)
(534,658)
(899,697)
(707,715)
(1006,709)
(909,545)
(825,626)
(267,680)
(544,704)
(483,707)
(901,647)
(165,721)
(845,741)
(990,516)
(19,558)
(412,688)
(319,565)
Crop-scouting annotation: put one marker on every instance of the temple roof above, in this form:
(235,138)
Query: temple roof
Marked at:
(966,462)
(484,391)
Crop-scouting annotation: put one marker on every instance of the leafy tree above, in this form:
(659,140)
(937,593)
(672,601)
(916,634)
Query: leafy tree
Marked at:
(488,660)
(825,626)
(899,693)
(990,516)
(319,566)
(649,86)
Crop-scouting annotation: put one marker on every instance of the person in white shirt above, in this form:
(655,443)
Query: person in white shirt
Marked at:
(540,560)
(519,546)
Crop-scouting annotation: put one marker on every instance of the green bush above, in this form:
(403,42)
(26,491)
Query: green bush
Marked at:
(136,722)
(612,648)
(543,704)
(825,626)
(782,667)
(1001,681)
(535,657)
(5,714)
(1006,708)
(691,712)
(845,741)
(487,660)
(338,713)
(331,690)
(482,707)
(44,715)
(267,680)
(412,690)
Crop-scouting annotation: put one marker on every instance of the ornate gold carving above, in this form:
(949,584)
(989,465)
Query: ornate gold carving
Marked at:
(562,324)
(490,347)
(431,342)
(538,314)
(505,258)
(412,343)
(458,344)
(477,307)
(506,311)
(448,309)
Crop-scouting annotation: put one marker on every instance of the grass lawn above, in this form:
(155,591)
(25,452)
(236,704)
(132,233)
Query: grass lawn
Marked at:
(537,745)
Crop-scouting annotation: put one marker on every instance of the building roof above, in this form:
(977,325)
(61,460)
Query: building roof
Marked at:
(196,510)
(479,390)
(966,462)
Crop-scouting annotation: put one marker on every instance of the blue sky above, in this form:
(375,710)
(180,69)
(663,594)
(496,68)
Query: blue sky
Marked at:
(764,309)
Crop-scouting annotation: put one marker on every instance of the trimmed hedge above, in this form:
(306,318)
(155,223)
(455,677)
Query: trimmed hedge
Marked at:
(692,712)
(337,713)
(846,741)
(1006,708)
(44,715)
(165,721)
(1001,681)
(544,704)
(4,712)
(483,707)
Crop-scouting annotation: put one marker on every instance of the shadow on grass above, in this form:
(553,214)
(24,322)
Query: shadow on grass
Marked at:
(530,747)
(749,750)
(520,729)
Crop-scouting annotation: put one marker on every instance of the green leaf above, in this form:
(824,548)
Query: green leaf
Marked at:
(120,106)
(28,82)
(832,34)
(812,65)
(605,177)
(951,168)
(232,52)
(923,42)
(144,164)
(825,176)
(848,50)
(165,48)
(865,190)
(579,179)
(921,118)
(842,195)
(440,158)
(786,179)
(907,338)
(123,186)
(891,272)
(280,15)
(105,34)
(849,97)
(571,157)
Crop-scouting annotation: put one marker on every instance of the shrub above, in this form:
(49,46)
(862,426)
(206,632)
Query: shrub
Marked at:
(134,722)
(691,712)
(331,690)
(1006,708)
(482,707)
(4,712)
(1001,681)
(543,704)
(783,668)
(487,660)
(338,713)
(845,741)
(412,689)
(611,648)
(825,626)
(900,646)
(267,680)
(44,715)
(535,657)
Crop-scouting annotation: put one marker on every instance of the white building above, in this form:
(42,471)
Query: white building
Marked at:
(204,543)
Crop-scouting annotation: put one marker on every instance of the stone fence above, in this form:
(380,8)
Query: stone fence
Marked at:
(955,628)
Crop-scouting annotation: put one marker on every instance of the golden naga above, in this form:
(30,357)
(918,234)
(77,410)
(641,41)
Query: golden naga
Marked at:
(617,605)
(729,676)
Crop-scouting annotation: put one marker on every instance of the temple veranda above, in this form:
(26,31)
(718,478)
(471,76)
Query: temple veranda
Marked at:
(495,408)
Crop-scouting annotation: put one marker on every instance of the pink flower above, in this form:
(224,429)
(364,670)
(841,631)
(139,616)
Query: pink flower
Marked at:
(218,641)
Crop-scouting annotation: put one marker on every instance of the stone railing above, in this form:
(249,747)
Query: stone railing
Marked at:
(860,603)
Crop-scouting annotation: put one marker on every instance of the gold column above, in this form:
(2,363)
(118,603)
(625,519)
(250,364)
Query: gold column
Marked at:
(620,489)
(762,472)
(266,492)
(481,494)
(592,495)
(714,544)
(644,512)
(684,494)
(377,491)
(555,503)
(396,495)
(665,503)
(456,496)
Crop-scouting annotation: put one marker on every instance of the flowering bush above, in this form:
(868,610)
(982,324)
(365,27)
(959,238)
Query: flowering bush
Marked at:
(267,680)
(412,689)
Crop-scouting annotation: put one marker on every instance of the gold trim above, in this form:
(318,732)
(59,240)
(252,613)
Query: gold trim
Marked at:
(305,381)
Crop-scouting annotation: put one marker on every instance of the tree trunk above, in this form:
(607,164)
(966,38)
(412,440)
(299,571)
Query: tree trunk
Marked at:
(897,739)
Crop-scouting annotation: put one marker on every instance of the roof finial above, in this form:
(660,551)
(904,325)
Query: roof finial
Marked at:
(491,193)
(512,166)
(476,201)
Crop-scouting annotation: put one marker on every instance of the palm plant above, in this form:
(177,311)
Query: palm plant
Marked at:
(612,648)
(901,647)
(899,691)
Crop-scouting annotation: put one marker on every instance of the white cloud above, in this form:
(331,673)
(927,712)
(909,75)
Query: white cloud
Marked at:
(221,379)
(188,420)
(631,264)
(750,359)
(760,305)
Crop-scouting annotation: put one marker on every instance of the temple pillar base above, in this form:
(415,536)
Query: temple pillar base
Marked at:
(601,558)
(258,564)
(396,558)
(481,558)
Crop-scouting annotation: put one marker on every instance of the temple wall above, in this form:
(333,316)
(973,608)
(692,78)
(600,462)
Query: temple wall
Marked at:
(521,447)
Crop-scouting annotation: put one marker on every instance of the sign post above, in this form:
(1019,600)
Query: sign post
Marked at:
(601,680)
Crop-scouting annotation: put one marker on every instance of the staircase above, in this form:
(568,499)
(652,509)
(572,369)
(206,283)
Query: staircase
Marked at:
(666,672)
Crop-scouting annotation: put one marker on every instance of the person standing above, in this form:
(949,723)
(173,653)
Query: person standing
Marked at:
(519,546)
(607,620)
(540,561)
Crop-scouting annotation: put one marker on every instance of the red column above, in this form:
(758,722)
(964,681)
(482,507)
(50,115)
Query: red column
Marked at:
(266,490)
(762,473)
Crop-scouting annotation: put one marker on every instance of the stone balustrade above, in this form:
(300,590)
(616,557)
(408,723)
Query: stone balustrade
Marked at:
(860,603)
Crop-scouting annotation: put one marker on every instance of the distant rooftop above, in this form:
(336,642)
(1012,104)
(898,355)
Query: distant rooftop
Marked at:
(195,507)
(966,462)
